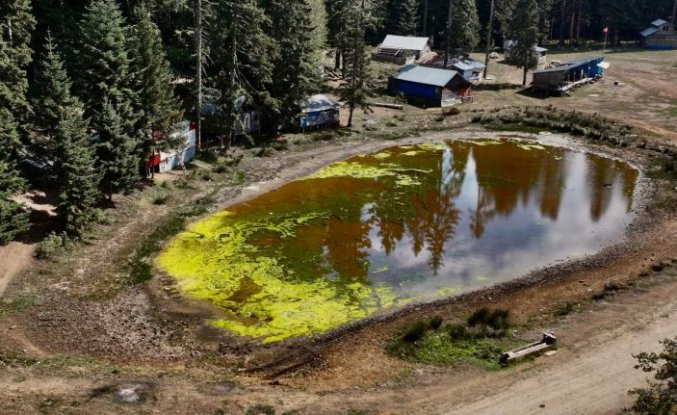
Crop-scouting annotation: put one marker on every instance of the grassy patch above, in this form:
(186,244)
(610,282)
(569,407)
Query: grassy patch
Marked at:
(17,305)
(479,342)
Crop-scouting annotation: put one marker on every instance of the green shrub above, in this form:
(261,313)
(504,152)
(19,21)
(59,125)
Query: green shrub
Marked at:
(497,320)
(51,244)
(436,323)
(415,332)
(458,332)
(161,199)
(261,410)
(220,169)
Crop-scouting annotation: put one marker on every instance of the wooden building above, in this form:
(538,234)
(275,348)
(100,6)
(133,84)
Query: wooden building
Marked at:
(569,75)
(661,35)
(469,68)
(402,49)
(431,86)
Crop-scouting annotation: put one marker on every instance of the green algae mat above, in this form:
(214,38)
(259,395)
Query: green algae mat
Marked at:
(409,223)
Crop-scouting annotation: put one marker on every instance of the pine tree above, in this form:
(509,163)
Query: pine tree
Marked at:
(104,84)
(295,74)
(104,72)
(408,19)
(16,26)
(13,217)
(337,28)
(465,26)
(241,52)
(116,152)
(524,26)
(159,110)
(77,176)
(61,119)
(357,70)
(53,96)
(318,21)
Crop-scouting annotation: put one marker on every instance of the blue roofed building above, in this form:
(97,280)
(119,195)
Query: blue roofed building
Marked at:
(430,86)
(569,75)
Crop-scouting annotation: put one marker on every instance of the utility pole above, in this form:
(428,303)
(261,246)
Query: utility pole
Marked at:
(425,17)
(674,13)
(490,31)
(198,80)
(449,33)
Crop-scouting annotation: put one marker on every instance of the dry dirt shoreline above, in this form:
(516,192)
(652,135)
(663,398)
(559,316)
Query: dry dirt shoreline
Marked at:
(345,368)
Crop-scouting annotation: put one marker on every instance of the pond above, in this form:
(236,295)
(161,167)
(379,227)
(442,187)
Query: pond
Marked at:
(409,223)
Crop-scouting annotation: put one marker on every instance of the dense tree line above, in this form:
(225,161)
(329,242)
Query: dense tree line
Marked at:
(567,21)
(88,84)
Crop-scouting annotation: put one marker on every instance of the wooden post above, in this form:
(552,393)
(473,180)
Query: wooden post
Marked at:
(490,30)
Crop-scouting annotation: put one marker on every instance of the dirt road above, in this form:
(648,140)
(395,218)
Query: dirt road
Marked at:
(593,382)
(13,258)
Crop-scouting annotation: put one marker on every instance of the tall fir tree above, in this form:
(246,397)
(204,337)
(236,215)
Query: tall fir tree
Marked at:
(240,51)
(408,19)
(354,91)
(290,28)
(104,85)
(524,27)
(103,73)
(16,26)
(76,171)
(116,152)
(52,96)
(337,29)
(318,21)
(13,216)
(158,109)
(465,25)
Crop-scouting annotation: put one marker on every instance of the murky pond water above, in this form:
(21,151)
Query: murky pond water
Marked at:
(405,224)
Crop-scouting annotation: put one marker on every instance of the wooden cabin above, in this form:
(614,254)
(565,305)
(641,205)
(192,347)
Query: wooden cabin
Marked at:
(661,35)
(431,86)
(402,49)
(569,75)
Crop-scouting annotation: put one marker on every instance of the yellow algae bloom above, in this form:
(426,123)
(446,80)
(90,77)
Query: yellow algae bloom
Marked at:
(213,261)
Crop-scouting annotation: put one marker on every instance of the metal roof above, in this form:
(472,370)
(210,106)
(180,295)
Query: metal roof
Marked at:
(648,32)
(404,42)
(318,103)
(467,65)
(659,22)
(566,66)
(425,75)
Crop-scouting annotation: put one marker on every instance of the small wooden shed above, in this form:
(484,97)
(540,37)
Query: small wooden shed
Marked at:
(661,35)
